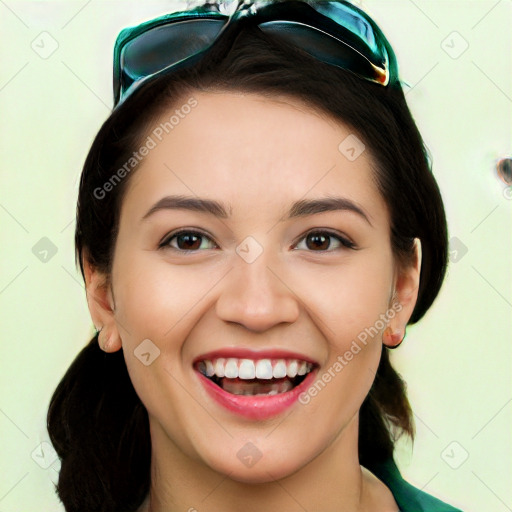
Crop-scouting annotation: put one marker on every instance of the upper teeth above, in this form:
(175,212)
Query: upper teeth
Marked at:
(233,368)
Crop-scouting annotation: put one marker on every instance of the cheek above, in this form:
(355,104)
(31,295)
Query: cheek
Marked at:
(349,297)
(153,296)
(156,301)
(355,300)
(351,305)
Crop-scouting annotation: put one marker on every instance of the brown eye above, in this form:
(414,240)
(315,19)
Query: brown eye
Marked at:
(318,241)
(321,241)
(186,241)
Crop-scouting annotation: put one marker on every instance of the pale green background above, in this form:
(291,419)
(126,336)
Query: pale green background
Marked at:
(456,361)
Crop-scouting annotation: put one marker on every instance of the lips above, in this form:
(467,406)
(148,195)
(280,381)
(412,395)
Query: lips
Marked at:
(256,384)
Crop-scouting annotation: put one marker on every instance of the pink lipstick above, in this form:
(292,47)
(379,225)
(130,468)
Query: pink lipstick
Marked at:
(255,384)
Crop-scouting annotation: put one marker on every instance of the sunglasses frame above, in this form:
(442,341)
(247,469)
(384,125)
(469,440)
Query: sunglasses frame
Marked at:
(358,32)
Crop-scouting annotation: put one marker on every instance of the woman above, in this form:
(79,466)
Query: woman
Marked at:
(257,224)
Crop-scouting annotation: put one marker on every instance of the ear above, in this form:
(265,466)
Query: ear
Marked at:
(407,281)
(101,306)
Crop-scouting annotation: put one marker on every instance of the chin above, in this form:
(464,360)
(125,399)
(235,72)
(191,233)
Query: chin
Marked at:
(267,468)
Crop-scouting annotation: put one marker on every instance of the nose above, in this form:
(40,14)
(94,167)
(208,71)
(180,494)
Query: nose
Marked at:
(256,296)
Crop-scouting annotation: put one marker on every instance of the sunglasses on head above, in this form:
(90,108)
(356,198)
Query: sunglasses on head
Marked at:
(334,32)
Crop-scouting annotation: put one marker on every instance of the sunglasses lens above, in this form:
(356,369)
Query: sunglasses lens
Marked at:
(364,35)
(166,45)
(334,32)
(323,47)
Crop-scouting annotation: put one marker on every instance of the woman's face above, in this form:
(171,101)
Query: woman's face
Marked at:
(266,284)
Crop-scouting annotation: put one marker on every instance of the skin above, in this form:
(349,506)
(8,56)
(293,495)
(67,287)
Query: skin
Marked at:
(257,155)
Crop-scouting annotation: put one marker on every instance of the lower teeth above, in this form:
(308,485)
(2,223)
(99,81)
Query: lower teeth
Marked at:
(255,387)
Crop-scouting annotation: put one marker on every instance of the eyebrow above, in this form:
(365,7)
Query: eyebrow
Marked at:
(300,208)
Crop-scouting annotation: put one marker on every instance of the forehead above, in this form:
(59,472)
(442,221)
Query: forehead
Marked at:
(250,150)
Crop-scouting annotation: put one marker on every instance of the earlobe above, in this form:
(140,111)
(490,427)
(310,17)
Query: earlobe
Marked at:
(391,338)
(106,342)
(101,307)
(404,299)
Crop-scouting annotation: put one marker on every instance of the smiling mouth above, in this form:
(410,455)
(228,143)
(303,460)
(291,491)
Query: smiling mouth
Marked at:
(255,377)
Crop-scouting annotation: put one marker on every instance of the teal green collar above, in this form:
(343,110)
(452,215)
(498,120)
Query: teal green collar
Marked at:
(408,497)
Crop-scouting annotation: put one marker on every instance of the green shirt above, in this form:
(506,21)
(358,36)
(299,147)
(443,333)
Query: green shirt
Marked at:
(408,498)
